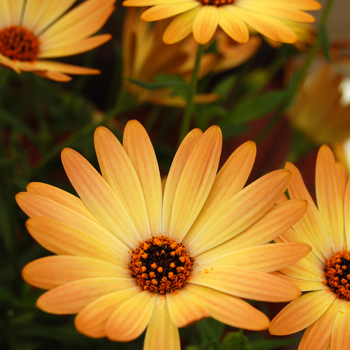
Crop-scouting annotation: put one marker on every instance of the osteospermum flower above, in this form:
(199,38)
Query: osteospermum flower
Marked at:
(33,30)
(131,257)
(325,272)
(202,17)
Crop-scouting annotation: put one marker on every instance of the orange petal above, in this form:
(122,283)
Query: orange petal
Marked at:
(195,183)
(228,309)
(139,148)
(329,199)
(205,24)
(181,157)
(340,338)
(120,174)
(72,297)
(320,331)
(302,312)
(161,332)
(184,309)
(233,280)
(131,318)
(158,12)
(53,271)
(99,197)
(91,320)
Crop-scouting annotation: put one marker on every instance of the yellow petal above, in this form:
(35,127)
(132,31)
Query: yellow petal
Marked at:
(120,174)
(267,258)
(71,297)
(53,271)
(195,182)
(340,338)
(15,10)
(312,229)
(158,12)
(180,27)
(99,197)
(205,24)
(329,199)
(161,333)
(233,280)
(240,212)
(302,312)
(229,181)
(139,148)
(320,331)
(91,320)
(228,309)
(5,15)
(64,239)
(184,309)
(57,67)
(181,157)
(131,318)
(232,25)
(38,206)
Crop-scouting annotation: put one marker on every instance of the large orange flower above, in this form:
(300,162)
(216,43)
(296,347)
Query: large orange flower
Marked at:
(131,257)
(233,16)
(325,272)
(33,30)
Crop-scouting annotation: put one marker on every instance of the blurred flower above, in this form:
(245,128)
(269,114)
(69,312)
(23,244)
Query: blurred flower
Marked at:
(325,272)
(318,111)
(142,44)
(33,30)
(305,33)
(131,257)
(204,16)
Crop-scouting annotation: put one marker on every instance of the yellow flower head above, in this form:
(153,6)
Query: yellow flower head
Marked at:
(325,272)
(131,256)
(33,30)
(202,17)
(318,111)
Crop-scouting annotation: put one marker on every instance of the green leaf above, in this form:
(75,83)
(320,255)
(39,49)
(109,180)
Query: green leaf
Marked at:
(210,329)
(235,341)
(225,86)
(158,85)
(272,344)
(325,42)
(255,108)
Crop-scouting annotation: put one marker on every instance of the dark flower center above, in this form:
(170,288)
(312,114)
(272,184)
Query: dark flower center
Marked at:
(338,274)
(18,43)
(161,265)
(217,2)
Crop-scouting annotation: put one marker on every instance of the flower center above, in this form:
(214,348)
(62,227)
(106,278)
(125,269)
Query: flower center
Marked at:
(217,2)
(161,265)
(338,274)
(19,44)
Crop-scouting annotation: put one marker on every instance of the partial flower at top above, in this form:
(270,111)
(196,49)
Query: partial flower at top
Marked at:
(324,274)
(202,17)
(142,45)
(131,257)
(318,111)
(32,30)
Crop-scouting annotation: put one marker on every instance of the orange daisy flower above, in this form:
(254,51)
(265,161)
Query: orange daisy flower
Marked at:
(325,272)
(33,30)
(130,257)
(202,17)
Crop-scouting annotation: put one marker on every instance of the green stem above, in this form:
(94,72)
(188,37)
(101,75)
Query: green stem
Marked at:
(190,95)
(82,132)
(294,86)
(5,82)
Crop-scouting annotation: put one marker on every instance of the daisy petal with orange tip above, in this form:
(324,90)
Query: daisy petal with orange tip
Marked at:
(130,258)
(233,16)
(47,30)
(325,272)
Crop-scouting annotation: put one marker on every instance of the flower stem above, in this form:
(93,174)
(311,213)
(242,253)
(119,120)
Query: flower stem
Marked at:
(190,95)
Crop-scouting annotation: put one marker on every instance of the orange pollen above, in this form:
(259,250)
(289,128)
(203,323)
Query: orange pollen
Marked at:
(337,273)
(165,267)
(18,43)
(217,2)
